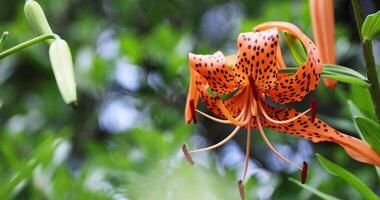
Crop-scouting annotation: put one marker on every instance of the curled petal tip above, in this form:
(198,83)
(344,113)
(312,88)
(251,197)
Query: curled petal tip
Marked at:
(304,172)
(241,189)
(187,154)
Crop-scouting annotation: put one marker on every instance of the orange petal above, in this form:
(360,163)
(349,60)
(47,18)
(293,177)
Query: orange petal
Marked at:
(233,104)
(319,131)
(256,56)
(322,15)
(215,70)
(296,87)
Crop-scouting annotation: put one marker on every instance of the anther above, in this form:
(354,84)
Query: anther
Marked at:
(241,189)
(187,154)
(313,108)
(192,111)
(304,172)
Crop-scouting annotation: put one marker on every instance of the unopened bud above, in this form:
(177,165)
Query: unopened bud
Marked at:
(37,19)
(62,63)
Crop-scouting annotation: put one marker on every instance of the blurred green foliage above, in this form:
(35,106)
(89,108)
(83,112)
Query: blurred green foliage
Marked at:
(134,53)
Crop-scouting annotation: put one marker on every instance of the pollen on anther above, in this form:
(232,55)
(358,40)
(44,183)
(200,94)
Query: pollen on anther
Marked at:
(187,154)
(304,172)
(241,189)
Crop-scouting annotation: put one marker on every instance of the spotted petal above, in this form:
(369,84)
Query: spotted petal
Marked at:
(307,78)
(214,68)
(256,57)
(233,104)
(319,131)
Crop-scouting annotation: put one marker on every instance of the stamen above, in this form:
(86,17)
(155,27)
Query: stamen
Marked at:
(270,145)
(313,107)
(241,189)
(222,121)
(247,151)
(304,172)
(253,106)
(281,121)
(228,138)
(225,112)
(187,154)
(192,110)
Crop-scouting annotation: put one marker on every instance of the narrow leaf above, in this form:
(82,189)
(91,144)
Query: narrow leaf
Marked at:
(371,26)
(370,131)
(296,47)
(3,38)
(336,72)
(346,79)
(343,70)
(318,193)
(351,179)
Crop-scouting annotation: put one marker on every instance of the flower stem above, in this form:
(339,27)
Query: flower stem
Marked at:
(27,44)
(369,59)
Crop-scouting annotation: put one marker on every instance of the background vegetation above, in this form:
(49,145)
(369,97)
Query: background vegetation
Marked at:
(123,140)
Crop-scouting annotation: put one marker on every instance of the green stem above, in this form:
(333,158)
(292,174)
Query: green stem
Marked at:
(26,44)
(369,59)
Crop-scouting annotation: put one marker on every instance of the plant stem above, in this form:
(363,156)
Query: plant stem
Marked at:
(26,44)
(369,59)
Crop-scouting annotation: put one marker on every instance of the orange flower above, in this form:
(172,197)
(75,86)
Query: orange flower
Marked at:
(322,16)
(249,77)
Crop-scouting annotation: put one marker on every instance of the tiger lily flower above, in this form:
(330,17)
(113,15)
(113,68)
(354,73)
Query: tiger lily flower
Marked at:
(322,18)
(236,88)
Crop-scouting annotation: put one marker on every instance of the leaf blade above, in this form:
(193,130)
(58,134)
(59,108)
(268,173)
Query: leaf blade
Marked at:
(370,131)
(351,179)
(371,26)
(316,192)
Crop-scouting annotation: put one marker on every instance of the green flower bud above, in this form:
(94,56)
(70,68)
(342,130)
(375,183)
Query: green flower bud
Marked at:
(61,61)
(37,19)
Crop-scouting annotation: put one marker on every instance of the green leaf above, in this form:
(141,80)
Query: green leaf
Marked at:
(370,131)
(354,109)
(346,79)
(296,47)
(371,26)
(343,70)
(336,72)
(3,38)
(318,193)
(348,177)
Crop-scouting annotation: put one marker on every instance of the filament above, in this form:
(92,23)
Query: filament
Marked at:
(225,112)
(247,151)
(281,121)
(228,138)
(222,121)
(270,145)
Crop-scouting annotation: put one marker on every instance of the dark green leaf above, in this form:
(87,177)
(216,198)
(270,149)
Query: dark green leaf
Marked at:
(318,193)
(370,131)
(348,177)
